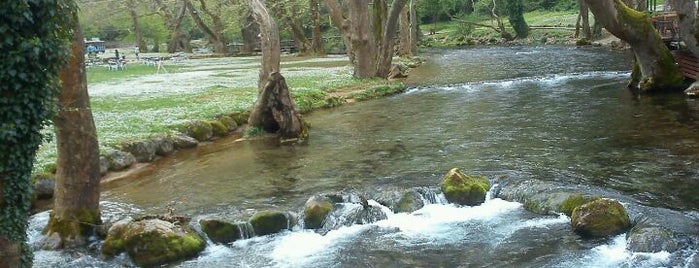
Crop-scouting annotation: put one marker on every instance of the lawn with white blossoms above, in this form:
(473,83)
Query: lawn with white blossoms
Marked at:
(156,102)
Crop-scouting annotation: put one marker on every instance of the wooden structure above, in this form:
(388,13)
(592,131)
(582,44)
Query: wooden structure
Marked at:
(667,24)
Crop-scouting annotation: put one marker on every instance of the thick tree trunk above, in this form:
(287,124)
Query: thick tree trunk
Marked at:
(515,13)
(689,25)
(275,110)
(585,20)
(414,24)
(370,36)
(657,66)
(317,34)
(76,200)
(405,49)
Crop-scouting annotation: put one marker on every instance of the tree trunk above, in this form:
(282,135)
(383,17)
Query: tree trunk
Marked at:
(404,48)
(275,110)
(414,24)
(515,13)
(249,31)
(585,20)
(214,35)
(337,17)
(76,200)
(317,36)
(657,65)
(174,23)
(370,40)
(138,33)
(689,25)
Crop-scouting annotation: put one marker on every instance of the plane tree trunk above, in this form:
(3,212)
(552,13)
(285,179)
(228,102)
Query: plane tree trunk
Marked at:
(656,66)
(689,26)
(76,201)
(275,110)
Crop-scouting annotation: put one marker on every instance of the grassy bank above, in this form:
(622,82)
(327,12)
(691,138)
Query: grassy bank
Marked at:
(550,27)
(141,102)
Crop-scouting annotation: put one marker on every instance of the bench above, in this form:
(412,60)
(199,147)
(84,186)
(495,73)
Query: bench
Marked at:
(688,64)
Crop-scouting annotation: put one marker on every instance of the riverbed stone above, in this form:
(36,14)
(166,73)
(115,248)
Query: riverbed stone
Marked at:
(600,218)
(221,231)
(574,201)
(182,141)
(164,146)
(120,160)
(651,239)
(200,130)
(228,121)
(269,222)
(142,150)
(152,242)
(464,189)
(315,211)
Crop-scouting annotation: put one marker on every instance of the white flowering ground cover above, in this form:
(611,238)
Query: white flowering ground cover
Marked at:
(157,102)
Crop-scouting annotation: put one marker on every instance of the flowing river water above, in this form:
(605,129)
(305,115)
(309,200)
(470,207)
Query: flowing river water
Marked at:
(560,115)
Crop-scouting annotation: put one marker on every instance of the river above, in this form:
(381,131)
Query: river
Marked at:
(556,114)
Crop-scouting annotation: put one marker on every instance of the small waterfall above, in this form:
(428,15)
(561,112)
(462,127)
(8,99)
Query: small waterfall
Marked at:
(245,230)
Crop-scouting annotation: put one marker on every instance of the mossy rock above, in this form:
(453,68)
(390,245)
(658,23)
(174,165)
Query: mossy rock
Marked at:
(114,242)
(409,202)
(269,222)
(220,231)
(155,242)
(600,218)
(228,121)
(464,189)
(241,117)
(315,211)
(574,201)
(199,130)
(218,129)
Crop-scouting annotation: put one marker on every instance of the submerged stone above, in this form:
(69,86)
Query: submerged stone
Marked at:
(464,189)
(600,218)
(269,222)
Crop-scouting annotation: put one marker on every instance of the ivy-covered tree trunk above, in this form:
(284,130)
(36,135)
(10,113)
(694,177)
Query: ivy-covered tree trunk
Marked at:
(275,110)
(76,200)
(370,34)
(657,67)
(34,49)
(515,12)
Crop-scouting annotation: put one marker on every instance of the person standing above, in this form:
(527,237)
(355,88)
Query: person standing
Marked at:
(116,54)
(136,50)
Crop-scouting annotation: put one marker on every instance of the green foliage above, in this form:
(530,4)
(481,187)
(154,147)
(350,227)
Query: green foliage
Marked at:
(379,91)
(35,36)
(253,131)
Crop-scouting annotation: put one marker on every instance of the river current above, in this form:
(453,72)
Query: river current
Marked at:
(556,114)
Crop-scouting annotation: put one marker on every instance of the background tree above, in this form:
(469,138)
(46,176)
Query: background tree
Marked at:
(215,34)
(275,110)
(583,21)
(34,50)
(370,34)
(689,25)
(132,7)
(656,66)
(76,201)
(173,16)
(515,13)
(317,34)
(408,30)
(290,13)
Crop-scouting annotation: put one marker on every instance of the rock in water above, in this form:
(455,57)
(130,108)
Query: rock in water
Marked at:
(692,90)
(220,231)
(464,189)
(153,242)
(269,222)
(600,218)
(315,211)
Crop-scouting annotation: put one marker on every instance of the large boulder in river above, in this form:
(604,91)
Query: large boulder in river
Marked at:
(270,222)
(224,232)
(464,189)
(151,242)
(599,218)
(315,211)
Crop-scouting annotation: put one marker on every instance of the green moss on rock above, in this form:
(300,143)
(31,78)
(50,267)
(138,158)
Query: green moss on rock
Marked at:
(315,211)
(218,129)
(600,218)
(464,189)
(220,231)
(228,121)
(574,201)
(269,222)
(200,130)
(155,242)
